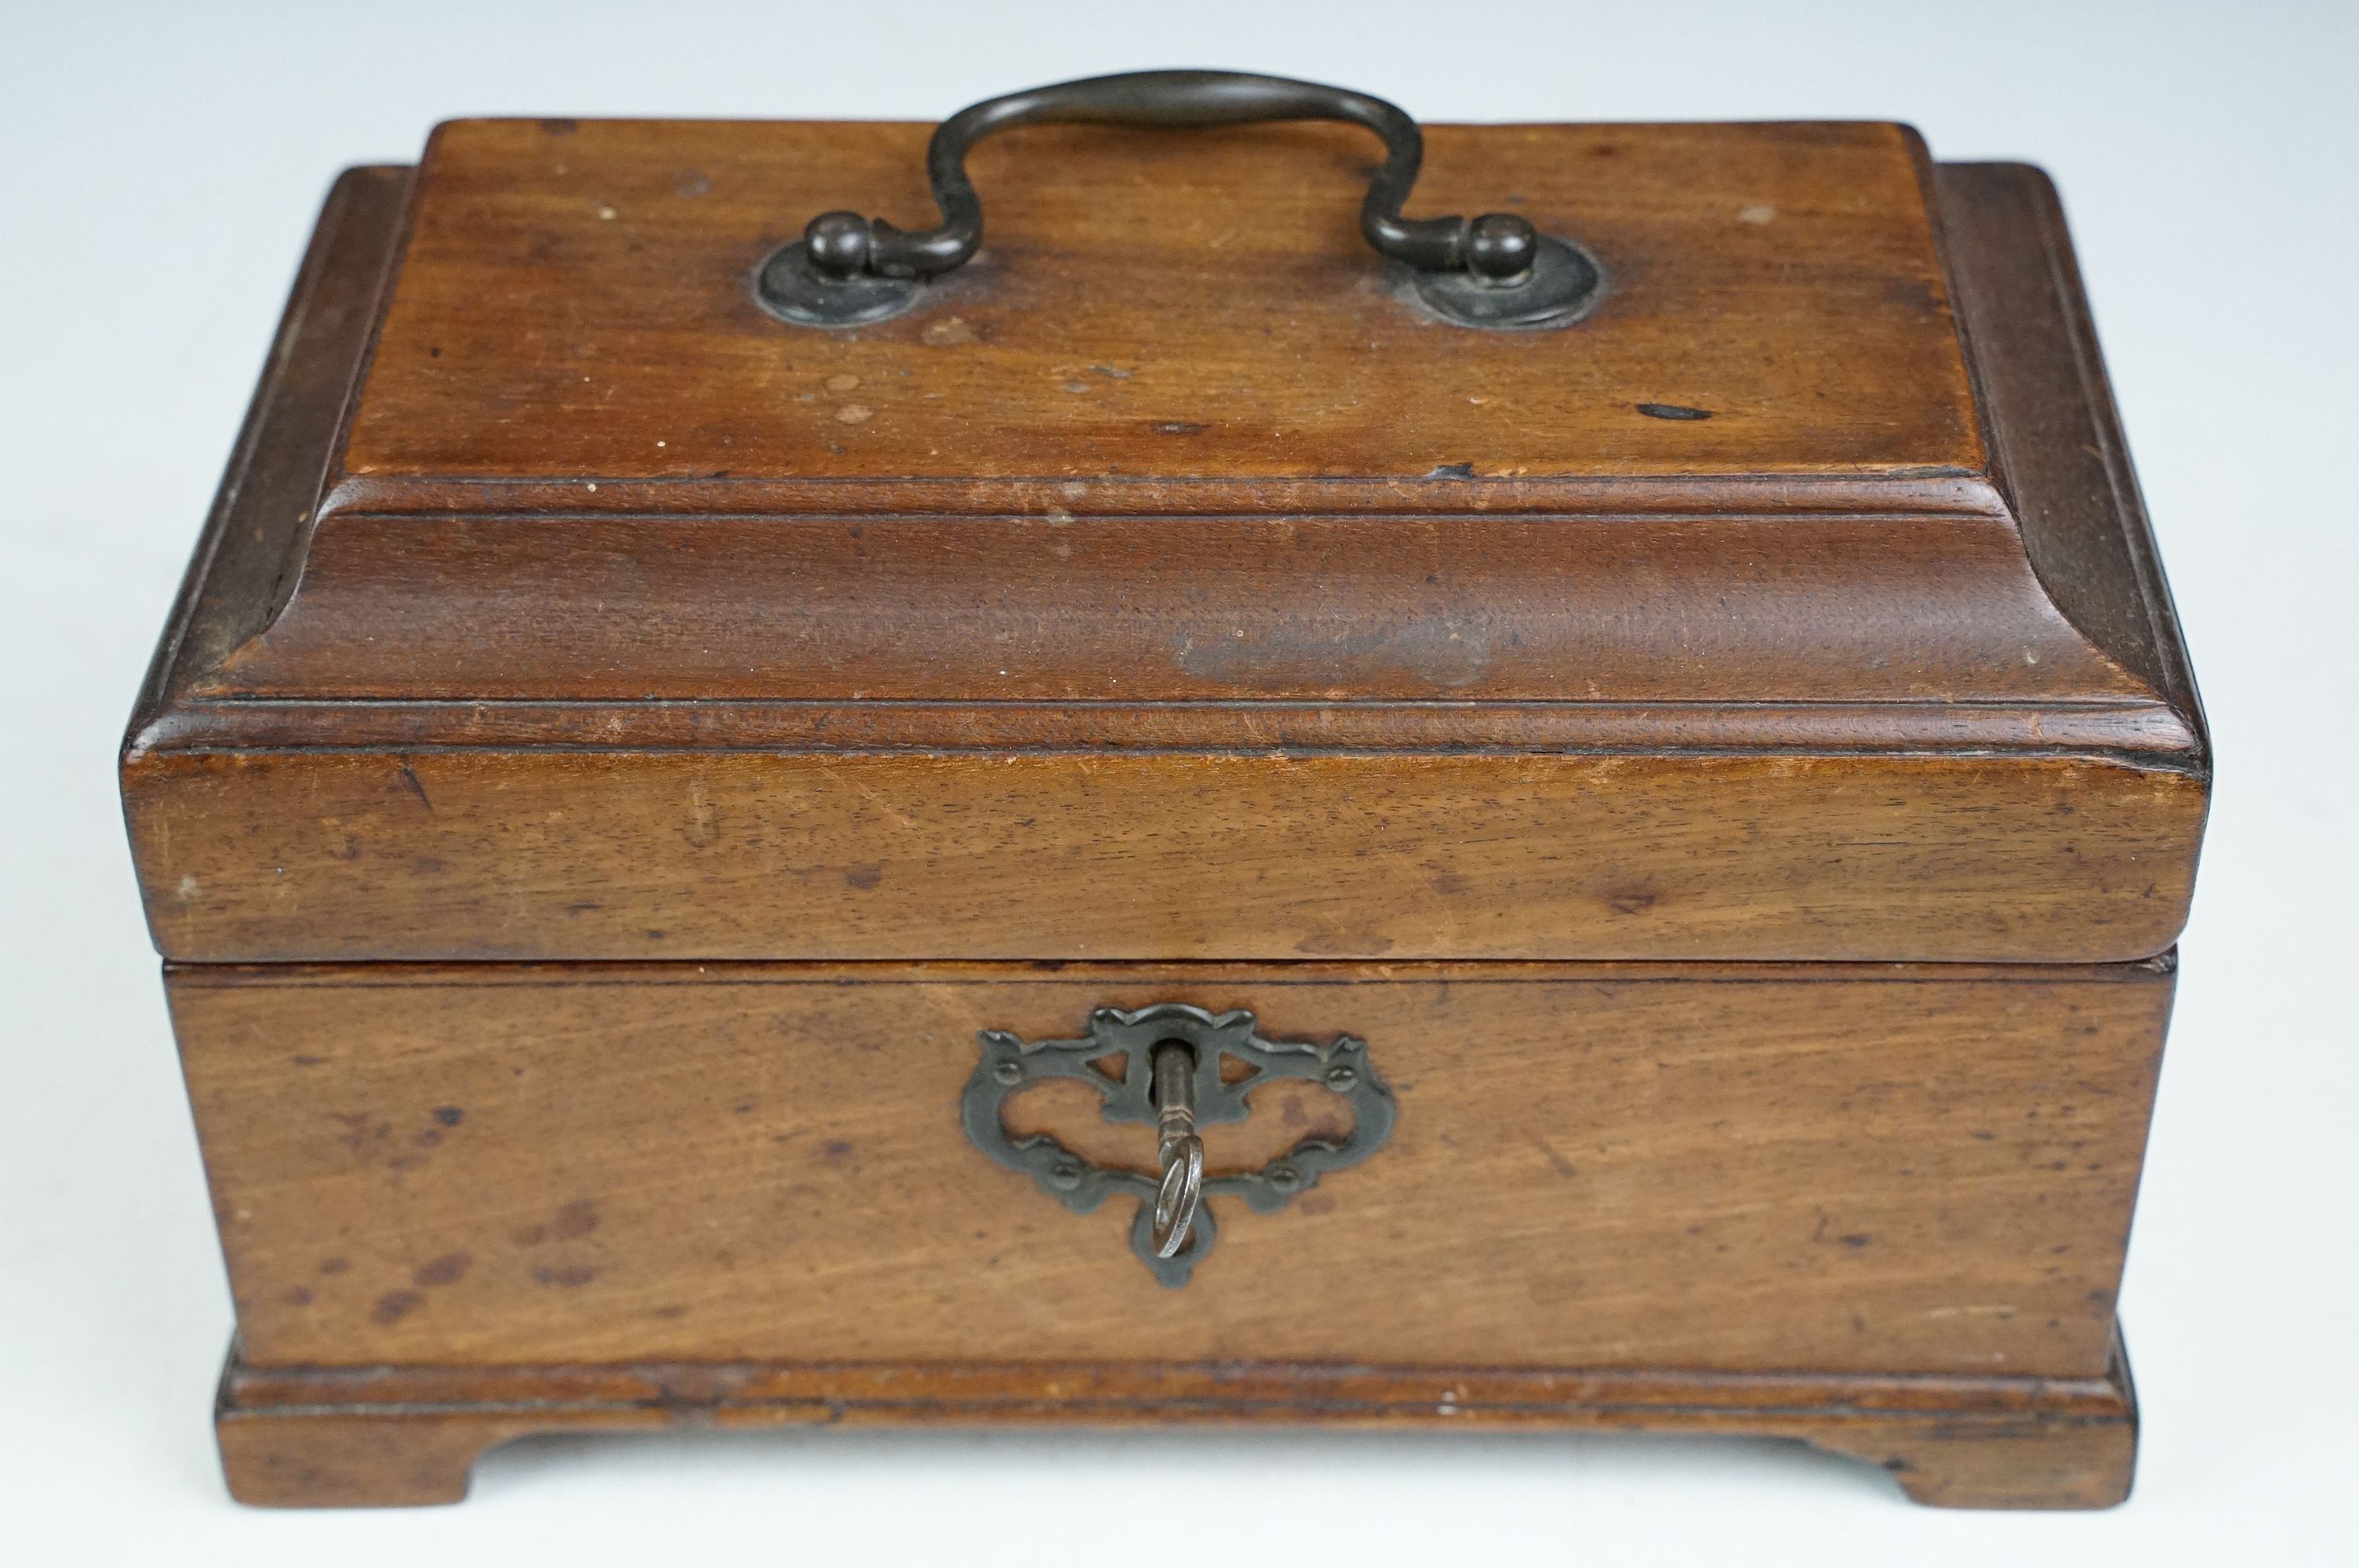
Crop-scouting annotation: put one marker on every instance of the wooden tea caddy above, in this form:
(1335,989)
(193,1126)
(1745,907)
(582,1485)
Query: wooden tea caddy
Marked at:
(1635,746)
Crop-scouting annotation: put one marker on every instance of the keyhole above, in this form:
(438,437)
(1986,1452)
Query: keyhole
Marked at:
(1171,1065)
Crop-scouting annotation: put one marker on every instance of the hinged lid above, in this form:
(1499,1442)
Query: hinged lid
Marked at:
(1821,493)
(1176,324)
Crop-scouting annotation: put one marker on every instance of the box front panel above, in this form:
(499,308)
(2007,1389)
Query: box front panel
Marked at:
(1837,1168)
(529,855)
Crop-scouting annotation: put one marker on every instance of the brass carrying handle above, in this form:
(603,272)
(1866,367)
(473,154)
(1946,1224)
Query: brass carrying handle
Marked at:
(1495,270)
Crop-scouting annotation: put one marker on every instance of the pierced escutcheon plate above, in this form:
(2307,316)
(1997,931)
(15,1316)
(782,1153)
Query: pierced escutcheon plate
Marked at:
(1008,1064)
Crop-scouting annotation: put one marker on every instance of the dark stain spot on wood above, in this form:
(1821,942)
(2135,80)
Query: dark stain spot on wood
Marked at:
(434,351)
(1631,901)
(1910,294)
(1671,411)
(1557,1163)
(360,1129)
(447,1270)
(1855,1241)
(863,874)
(448,1115)
(566,1276)
(299,1296)
(306,1060)
(395,1306)
(1448,885)
(1450,471)
(560,127)
(577,1219)
(837,1152)
(1180,428)
(334,1265)
(409,777)
(675,1310)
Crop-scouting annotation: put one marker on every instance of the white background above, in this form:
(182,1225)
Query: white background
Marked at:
(160,168)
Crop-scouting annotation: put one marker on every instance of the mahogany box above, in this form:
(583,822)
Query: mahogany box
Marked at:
(1217,804)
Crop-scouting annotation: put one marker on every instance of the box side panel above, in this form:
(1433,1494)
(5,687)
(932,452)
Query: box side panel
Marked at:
(1860,1170)
(252,546)
(2057,437)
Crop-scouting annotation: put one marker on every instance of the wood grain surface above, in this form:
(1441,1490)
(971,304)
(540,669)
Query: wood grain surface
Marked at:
(1874,1169)
(1923,620)
(569,854)
(408,1436)
(1177,321)
(2062,457)
(1477,736)
(1167,610)
(1737,609)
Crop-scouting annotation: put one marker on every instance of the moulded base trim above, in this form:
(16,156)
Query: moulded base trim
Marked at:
(389,1436)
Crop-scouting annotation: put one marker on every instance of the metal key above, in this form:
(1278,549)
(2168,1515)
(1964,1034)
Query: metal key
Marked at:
(1177,1148)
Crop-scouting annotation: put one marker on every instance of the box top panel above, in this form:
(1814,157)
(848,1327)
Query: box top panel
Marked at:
(1164,322)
